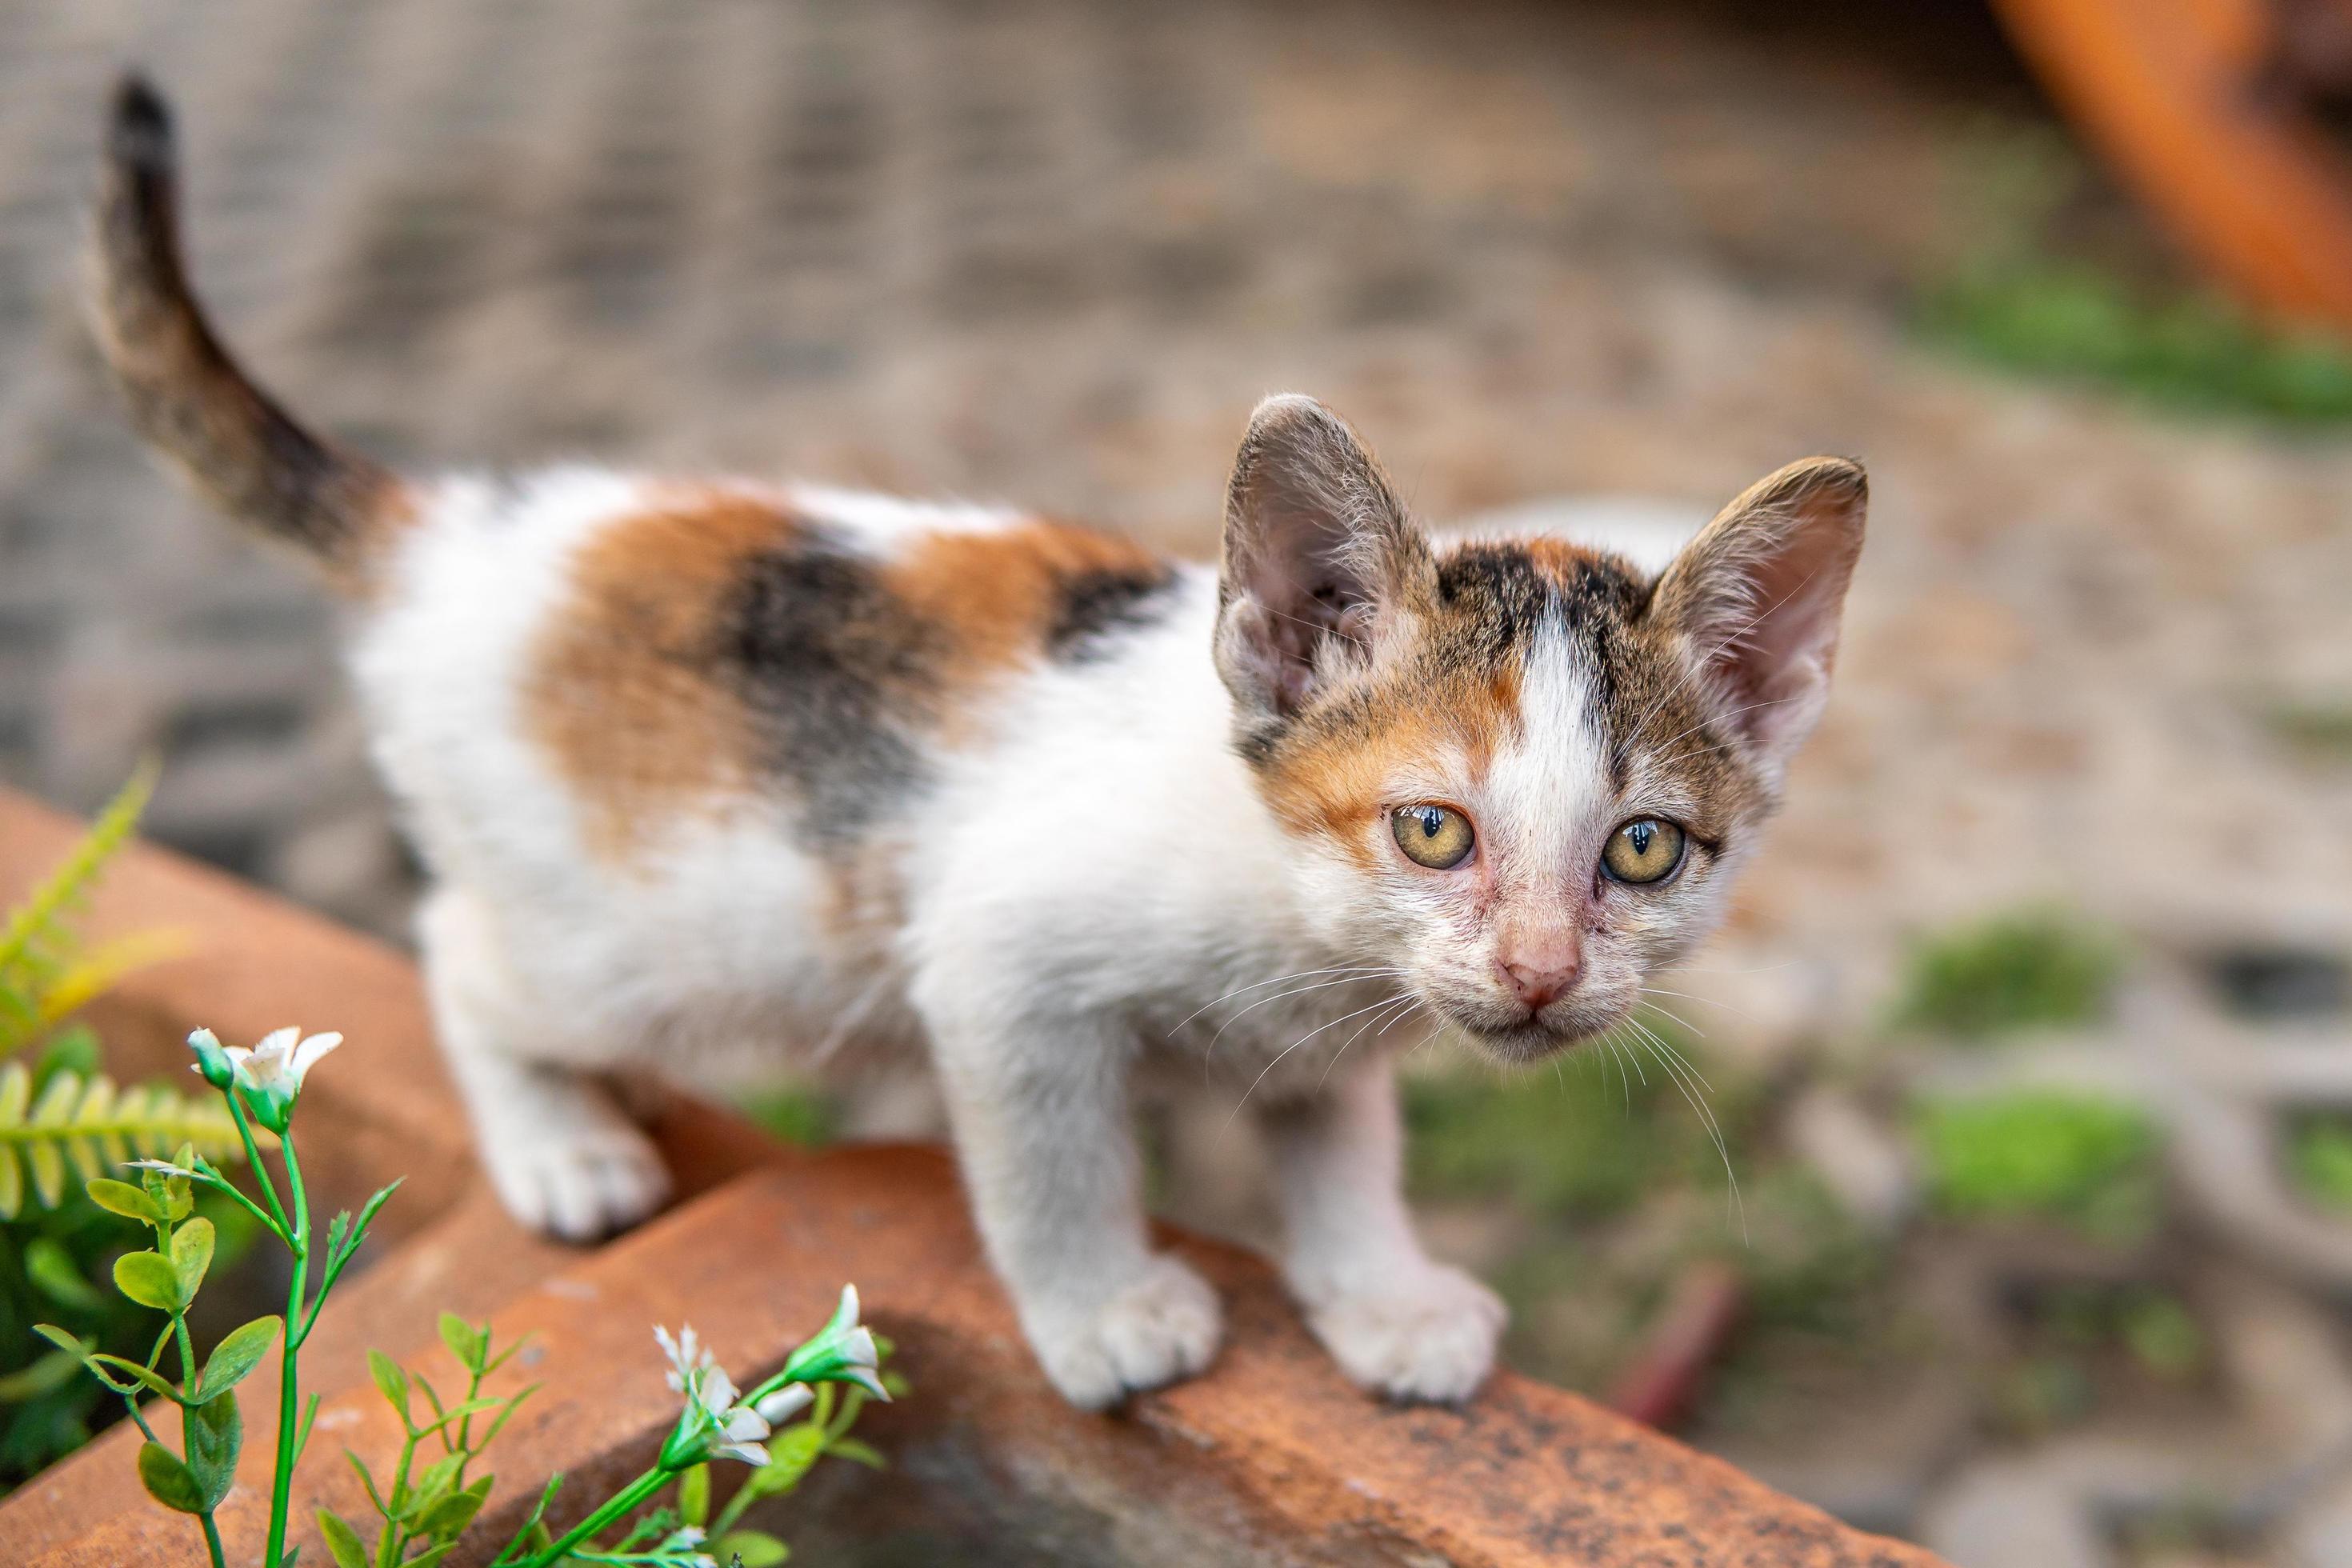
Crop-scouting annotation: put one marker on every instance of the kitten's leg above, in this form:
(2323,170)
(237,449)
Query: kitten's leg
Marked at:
(561,1154)
(1395,1320)
(1045,1136)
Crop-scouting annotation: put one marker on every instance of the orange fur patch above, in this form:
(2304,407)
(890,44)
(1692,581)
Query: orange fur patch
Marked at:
(996,595)
(1338,783)
(621,691)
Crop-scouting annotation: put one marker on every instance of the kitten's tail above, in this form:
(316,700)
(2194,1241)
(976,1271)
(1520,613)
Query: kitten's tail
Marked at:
(187,395)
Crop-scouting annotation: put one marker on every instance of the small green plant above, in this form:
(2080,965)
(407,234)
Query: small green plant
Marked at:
(2049,1154)
(62,1118)
(424,1513)
(2030,968)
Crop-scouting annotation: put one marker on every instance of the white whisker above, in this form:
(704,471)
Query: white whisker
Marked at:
(1383,1002)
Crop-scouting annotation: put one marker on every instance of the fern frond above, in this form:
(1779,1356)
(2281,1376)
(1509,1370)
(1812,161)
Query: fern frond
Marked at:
(35,942)
(96,973)
(91,1125)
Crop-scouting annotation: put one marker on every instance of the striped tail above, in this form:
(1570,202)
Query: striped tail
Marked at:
(187,395)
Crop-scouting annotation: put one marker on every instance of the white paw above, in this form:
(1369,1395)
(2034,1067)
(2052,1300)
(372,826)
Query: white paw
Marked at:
(578,1183)
(1163,1327)
(1429,1335)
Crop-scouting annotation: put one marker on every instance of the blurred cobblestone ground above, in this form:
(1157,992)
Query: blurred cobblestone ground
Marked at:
(1052,253)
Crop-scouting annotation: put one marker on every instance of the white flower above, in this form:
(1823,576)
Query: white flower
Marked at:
(165,1166)
(688,1355)
(731,1430)
(279,1064)
(740,1429)
(784,1403)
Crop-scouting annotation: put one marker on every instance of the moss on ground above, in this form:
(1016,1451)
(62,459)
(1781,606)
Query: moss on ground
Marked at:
(2024,968)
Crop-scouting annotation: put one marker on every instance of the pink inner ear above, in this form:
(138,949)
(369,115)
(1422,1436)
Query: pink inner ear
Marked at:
(1762,590)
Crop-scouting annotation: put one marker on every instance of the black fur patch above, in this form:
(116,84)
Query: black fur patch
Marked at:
(1094,605)
(838,678)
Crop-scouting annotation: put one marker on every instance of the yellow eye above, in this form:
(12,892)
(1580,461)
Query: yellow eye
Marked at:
(1644,850)
(1437,837)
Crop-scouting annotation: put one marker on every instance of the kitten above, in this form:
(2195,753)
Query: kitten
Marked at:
(699,764)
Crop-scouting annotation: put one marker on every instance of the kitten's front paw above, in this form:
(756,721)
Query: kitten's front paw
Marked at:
(579,1184)
(1163,1327)
(1426,1336)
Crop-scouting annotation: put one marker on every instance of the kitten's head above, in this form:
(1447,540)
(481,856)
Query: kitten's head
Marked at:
(1521,771)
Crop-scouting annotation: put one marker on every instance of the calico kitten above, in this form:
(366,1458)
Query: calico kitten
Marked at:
(694,763)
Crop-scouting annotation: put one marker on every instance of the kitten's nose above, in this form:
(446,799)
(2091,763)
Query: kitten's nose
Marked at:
(1539,980)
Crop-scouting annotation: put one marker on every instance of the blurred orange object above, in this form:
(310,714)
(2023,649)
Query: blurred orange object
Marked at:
(2209,111)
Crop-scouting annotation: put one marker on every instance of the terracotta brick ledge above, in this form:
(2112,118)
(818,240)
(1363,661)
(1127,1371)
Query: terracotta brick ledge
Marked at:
(1271,1458)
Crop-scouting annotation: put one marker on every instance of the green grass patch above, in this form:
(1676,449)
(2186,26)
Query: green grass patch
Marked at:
(2026,969)
(2059,277)
(800,1117)
(2048,1154)
(2319,1157)
(2317,731)
(2196,351)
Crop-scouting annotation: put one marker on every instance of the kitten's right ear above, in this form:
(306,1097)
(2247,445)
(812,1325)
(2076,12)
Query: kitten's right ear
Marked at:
(1318,554)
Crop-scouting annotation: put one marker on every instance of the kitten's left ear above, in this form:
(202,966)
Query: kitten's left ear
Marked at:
(1318,551)
(1757,596)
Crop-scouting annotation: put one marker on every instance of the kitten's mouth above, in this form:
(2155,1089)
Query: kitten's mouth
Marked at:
(1533,1036)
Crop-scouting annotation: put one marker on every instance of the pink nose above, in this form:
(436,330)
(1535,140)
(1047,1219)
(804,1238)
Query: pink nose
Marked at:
(1539,984)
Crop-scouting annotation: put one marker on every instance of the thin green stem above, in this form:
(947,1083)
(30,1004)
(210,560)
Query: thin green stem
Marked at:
(220,1184)
(253,1162)
(289,1402)
(187,1353)
(131,1402)
(618,1507)
(394,1540)
(213,1540)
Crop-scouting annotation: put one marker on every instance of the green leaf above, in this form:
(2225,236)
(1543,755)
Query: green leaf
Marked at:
(464,1342)
(498,1422)
(53,1271)
(192,1255)
(694,1495)
(216,1431)
(857,1451)
(167,1480)
(342,1541)
(122,1198)
(46,1376)
(389,1382)
(359,1468)
(444,1519)
(65,1339)
(147,1278)
(432,1489)
(239,1352)
(433,1558)
(790,1452)
(752,1548)
(457,1413)
(367,1212)
(147,1377)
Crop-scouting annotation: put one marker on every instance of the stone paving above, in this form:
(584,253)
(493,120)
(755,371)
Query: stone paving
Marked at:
(1052,253)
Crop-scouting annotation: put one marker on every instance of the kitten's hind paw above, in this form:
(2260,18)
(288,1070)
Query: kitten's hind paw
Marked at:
(579,1184)
(1163,1327)
(1427,1336)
